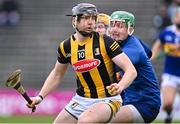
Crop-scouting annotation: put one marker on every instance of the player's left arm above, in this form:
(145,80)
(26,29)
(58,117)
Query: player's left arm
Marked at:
(120,59)
(130,73)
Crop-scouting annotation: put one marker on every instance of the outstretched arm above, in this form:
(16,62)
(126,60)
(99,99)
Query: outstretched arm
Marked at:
(51,83)
(53,79)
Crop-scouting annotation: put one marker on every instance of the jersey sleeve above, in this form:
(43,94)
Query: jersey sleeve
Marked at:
(61,55)
(112,47)
(146,48)
(134,50)
(132,53)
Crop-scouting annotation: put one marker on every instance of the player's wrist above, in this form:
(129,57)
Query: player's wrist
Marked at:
(41,97)
(38,99)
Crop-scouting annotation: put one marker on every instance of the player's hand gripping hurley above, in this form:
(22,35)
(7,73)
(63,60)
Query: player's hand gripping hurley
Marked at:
(14,81)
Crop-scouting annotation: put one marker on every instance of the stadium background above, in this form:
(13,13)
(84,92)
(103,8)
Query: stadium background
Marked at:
(32,44)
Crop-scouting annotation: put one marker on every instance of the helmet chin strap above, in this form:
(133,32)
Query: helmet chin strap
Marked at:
(85,34)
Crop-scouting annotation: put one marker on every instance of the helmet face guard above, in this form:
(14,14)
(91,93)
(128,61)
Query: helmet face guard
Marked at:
(83,9)
(126,17)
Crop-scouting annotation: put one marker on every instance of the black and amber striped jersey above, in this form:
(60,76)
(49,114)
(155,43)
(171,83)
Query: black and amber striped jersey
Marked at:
(91,61)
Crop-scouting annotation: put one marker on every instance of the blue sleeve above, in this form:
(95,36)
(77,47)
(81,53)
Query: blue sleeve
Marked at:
(133,53)
(146,48)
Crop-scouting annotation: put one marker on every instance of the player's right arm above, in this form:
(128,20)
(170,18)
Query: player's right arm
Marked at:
(54,78)
(51,83)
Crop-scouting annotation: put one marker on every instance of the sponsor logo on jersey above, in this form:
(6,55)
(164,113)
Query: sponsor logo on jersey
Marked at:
(86,65)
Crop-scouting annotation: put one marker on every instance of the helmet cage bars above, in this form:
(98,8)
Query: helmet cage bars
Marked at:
(83,9)
(126,17)
(128,24)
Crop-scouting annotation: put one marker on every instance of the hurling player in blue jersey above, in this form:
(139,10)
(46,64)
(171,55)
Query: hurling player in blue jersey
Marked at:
(141,101)
(169,42)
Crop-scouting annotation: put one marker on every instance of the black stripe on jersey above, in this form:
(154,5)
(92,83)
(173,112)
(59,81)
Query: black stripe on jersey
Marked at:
(92,87)
(88,79)
(73,38)
(102,72)
(80,88)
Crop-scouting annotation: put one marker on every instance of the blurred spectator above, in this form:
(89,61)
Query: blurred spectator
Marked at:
(161,20)
(168,2)
(9,12)
(102,24)
(172,7)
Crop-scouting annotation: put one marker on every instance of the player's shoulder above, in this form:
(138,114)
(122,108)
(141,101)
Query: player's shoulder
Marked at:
(138,40)
(134,40)
(168,29)
(104,36)
(135,43)
(66,41)
(107,38)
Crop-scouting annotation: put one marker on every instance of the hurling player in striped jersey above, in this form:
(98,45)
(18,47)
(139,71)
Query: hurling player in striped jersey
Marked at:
(92,57)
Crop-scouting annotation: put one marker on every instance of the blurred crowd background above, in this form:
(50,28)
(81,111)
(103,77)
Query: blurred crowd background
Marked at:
(30,31)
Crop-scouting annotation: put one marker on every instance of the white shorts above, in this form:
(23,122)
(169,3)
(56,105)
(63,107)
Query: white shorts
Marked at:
(170,80)
(137,118)
(79,104)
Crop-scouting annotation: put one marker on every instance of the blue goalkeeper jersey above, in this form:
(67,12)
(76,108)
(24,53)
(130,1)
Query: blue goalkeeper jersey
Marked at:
(145,88)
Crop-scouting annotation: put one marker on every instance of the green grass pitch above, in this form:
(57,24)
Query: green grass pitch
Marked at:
(27,119)
(24,119)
